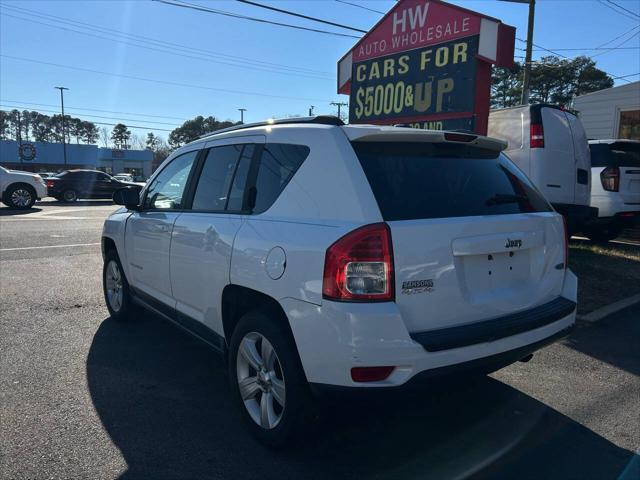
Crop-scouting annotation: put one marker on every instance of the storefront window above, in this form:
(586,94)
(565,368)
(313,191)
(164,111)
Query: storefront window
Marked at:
(629,126)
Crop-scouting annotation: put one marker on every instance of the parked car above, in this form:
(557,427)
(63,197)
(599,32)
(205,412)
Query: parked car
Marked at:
(124,177)
(20,190)
(615,191)
(316,256)
(71,185)
(550,145)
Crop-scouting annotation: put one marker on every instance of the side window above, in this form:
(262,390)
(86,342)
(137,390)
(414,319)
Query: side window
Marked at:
(236,195)
(278,164)
(215,179)
(103,177)
(166,190)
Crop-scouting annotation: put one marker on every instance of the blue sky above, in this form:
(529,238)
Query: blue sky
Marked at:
(271,71)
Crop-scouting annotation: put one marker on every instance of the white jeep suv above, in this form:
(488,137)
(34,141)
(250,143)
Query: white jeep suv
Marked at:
(318,256)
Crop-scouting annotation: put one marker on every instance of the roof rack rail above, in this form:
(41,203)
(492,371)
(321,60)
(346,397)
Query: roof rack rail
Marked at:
(319,119)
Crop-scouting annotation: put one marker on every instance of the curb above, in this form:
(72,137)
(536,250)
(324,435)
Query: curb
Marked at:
(607,310)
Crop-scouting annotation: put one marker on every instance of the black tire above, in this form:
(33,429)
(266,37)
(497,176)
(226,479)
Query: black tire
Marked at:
(297,399)
(69,196)
(127,308)
(20,196)
(603,234)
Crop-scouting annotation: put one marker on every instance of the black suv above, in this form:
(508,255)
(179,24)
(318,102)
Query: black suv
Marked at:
(71,185)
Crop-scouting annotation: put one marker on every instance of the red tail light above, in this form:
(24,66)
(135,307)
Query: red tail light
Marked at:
(370,374)
(566,242)
(50,183)
(610,178)
(359,266)
(537,136)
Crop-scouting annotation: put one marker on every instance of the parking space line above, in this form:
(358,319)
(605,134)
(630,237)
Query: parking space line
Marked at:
(40,247)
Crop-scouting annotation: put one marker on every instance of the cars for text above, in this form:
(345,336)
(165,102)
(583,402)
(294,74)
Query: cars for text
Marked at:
(317,256)
(71,185)
(20,190)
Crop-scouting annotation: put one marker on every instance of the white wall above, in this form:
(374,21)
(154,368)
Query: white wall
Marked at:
(599,111)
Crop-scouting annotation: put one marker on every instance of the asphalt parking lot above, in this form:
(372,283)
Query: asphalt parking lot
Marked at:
(83,396)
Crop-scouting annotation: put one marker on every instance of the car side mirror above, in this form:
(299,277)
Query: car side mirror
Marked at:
(128,197)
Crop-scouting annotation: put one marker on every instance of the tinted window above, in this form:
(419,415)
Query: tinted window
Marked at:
(167,189)
(215,179)
(236,196)
(619,154)
(427,180)
(278,163)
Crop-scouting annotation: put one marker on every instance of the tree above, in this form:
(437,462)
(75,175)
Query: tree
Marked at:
(120,136)
(193,129)
(4,125)
(152,142)
(506,86)
(89,132)
(103,134)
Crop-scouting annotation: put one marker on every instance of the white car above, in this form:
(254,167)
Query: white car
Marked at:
(550,145)
(124,177)
(20,190)
(317,256)
(615,191)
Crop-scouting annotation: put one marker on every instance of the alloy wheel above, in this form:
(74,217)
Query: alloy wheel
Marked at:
(113,282)
(21,197)
(260,380)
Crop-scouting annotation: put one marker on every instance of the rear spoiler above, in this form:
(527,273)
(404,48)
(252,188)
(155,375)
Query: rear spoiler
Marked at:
(400,134)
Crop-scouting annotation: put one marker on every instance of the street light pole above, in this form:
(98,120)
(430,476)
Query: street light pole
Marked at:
(64,140)
(242,110)
(527,60)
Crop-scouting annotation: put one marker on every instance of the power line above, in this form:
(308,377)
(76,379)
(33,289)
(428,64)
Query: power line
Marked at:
(254,19)
(619,36)
(94,110)
(122,120)
(299,15)
(163,82)
(623,8)
(162,43)
(591,48)
(602,2)
(617,46)
(361,6)
(164,50)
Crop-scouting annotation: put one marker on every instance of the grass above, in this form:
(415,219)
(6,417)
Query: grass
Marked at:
(606,272)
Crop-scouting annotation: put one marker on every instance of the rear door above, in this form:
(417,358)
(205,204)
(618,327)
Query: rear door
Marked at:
(553,167)
(472,238)
(625,156)
(203,235)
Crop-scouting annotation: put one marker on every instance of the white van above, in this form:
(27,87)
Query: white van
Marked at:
(550,145)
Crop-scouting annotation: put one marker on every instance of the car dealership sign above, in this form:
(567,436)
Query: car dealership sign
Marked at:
(427,64)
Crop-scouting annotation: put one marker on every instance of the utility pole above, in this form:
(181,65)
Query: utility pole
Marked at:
(311,110)
(524,100)
(242,110)
(64,140)
(339,104)
(527,59)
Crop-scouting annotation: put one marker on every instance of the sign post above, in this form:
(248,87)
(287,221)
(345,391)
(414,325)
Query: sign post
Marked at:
(426,64)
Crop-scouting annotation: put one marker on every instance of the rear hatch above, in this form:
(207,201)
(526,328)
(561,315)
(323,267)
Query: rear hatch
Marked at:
(625,156)
(472,238)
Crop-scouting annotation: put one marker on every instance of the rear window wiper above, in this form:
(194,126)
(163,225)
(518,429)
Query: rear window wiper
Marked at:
(501,198)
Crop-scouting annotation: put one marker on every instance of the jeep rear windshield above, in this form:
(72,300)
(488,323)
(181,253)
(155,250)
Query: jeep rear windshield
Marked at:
(618,154)
(439,180)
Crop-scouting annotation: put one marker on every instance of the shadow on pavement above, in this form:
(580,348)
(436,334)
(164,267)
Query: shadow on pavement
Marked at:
(616,346)
(10,212)
(81,203)
(163,399)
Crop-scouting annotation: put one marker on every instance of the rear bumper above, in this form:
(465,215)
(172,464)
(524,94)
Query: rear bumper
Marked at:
(335,337)
(576,215)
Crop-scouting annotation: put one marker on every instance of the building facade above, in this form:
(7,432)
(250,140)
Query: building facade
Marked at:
(49,157)
(611,113)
